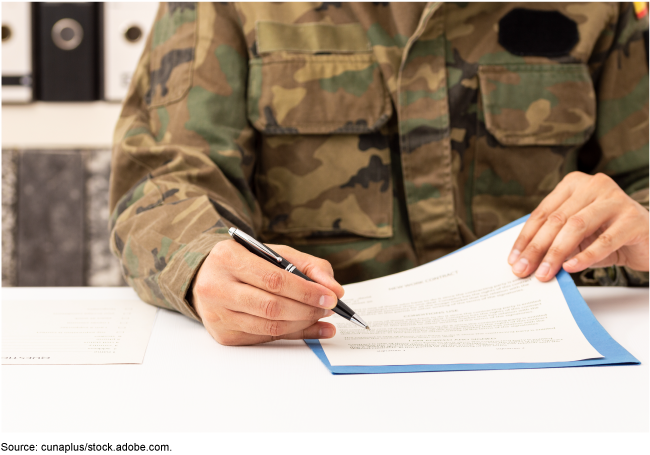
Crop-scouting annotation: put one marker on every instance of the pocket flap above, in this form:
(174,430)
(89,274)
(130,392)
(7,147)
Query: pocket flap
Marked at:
(295,93)
(311,37)
(538,104)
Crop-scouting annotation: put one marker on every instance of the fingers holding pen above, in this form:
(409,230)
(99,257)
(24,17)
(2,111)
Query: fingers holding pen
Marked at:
(254,301)
(243,299)
(315,268)
(267,277)
(255,325)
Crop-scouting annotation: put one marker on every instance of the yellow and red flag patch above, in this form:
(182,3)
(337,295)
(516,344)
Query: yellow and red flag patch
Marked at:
(641,9)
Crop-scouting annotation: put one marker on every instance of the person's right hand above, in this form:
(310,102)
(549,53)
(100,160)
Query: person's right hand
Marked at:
(243,299)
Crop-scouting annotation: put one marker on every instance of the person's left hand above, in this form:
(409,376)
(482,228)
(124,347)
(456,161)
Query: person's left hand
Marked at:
(587,219)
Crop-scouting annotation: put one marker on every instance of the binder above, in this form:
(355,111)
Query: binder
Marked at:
(16,53)
(126,26)
(66,52)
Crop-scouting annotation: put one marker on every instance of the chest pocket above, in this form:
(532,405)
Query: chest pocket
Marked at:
(535,114)
(315,79)
(548,105)
(317,95)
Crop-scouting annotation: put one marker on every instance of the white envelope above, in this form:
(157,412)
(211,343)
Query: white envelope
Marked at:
(126,26)
(16,52)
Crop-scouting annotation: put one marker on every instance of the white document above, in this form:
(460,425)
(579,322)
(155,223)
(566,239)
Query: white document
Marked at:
(467,307)
(75,332)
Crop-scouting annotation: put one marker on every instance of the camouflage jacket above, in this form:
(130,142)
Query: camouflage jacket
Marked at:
(377,136)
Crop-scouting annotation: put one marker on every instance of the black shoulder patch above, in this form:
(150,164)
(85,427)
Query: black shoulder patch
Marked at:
(532,32)
(325,5)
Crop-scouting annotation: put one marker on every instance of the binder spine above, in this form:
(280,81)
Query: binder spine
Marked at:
(125,28)
(99,26)
(67,51)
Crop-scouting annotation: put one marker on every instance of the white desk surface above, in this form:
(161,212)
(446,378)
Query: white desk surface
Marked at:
(189,383)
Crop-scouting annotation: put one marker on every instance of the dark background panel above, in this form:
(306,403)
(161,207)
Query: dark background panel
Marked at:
(50,242)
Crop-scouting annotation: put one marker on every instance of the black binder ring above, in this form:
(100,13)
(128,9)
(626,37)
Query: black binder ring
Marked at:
(133,34)
(6,33)
(67,34)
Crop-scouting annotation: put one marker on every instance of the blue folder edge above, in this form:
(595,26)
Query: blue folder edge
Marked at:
(612,352)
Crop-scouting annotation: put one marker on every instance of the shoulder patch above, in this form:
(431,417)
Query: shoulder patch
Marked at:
(528,32)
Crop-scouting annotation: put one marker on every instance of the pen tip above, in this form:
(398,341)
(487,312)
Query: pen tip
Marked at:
(367,327)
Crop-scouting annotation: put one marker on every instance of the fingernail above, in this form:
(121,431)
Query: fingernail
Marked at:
(520,266)
(543,269)
(327,301)
(514,254)
(326,313)
(326,332)
(571,263)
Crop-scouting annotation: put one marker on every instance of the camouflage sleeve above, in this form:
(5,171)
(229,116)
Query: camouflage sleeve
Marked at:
(621,74)
(183,152)
(619,147)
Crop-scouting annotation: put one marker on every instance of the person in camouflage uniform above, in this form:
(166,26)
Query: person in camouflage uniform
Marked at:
(376,137)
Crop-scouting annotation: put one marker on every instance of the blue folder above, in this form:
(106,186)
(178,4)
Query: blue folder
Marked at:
(612,352)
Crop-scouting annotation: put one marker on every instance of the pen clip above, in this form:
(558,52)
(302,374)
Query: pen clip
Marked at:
(259,246)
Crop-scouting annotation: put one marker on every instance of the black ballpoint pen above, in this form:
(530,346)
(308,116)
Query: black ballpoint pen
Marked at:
(274,258)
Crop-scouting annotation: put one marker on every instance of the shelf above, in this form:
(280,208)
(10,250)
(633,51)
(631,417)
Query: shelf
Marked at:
(68,126)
